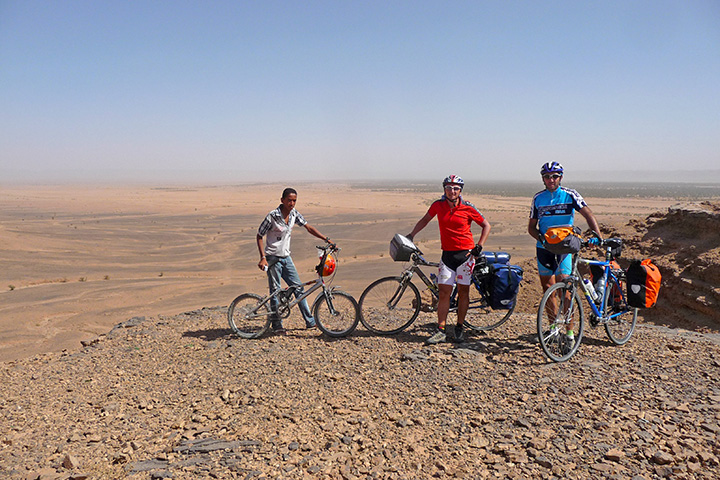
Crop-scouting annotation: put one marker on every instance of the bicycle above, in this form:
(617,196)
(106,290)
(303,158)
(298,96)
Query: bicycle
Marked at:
(389,305)
(561,307)
(336,312)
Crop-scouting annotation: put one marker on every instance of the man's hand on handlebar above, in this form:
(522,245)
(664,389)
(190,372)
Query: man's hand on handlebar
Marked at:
(596,239)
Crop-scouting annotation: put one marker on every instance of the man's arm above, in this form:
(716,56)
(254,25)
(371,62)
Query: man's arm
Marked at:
(590,219)
(315,232)
(485,226)
(263,261)
(422,223)
(533,230)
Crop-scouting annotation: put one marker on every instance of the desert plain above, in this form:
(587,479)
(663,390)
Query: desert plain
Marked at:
(79,259)
(116,359)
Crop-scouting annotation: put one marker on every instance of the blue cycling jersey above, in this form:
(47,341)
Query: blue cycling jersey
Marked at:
(552,209)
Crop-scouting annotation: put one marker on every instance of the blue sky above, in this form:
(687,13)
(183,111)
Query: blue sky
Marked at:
(234,91)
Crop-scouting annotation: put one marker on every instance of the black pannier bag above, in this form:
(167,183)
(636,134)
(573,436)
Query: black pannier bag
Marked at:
(504,285)
(401,248)
(562,240)
(496,257)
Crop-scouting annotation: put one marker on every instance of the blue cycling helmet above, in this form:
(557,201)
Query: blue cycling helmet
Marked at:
(551,167)
(454,180)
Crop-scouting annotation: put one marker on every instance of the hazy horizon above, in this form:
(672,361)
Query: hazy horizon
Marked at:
(695,180)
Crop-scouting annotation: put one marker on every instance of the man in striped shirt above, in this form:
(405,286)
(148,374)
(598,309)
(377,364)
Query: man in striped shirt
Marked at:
(275,254)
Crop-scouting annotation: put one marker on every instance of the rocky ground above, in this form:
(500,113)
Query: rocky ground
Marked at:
(181,397)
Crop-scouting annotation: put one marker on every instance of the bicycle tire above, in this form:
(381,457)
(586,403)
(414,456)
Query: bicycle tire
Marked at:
(551,334)
(619,329)
(378,316)
(345,319)
(249,326)
(480,317)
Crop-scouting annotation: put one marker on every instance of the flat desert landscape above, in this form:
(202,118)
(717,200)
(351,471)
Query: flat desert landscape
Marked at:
(117,360)
(78,259)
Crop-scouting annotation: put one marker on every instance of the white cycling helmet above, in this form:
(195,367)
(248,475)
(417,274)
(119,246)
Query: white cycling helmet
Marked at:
(453,180)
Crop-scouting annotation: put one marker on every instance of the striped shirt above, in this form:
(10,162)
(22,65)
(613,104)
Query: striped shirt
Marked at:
(278,232)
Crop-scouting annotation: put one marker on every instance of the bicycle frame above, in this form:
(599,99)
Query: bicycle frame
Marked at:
(599,307)
(419,261)
(318,283)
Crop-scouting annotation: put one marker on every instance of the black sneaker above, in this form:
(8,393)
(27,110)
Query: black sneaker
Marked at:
(459,334)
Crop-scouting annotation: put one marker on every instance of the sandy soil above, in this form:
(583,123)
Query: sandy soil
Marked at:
(78,260)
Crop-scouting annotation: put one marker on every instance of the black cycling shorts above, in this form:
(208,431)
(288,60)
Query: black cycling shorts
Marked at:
(454,258)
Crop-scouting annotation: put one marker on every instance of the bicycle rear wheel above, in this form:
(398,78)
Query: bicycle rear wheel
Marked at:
(336,313)
(559,310)
(247,318)
(480,316)
(619,329)
(389,305)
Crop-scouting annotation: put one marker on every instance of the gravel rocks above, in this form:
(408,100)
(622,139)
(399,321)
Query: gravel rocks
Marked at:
(181,397)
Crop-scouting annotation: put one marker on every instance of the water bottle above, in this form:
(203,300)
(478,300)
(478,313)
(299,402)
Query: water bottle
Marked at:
(433,277)
(600,289)
(590,289)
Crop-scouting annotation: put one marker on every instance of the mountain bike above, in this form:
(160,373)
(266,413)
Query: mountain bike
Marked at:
(336,312)
(389,305)
(561,308)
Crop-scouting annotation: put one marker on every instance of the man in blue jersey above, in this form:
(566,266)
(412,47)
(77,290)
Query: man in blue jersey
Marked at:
(555,206)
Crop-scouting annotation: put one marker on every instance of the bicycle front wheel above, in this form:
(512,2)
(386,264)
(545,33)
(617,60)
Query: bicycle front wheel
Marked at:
(619,329)
(389,305)
(336,313)
(247,317)
(560,311)
(480,316)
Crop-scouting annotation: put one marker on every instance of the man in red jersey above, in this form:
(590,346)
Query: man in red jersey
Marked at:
(458,251)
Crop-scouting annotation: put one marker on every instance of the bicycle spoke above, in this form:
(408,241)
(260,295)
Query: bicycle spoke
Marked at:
(247,317)
(559,312)
(389,305)
(621,327)
(336,313)
(480,316)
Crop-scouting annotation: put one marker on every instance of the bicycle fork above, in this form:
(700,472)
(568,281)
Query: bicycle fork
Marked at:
(327,295)
(564,314)
(392,303)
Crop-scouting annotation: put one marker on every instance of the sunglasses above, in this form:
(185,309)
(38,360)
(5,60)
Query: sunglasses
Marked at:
(453,188)
(551,176)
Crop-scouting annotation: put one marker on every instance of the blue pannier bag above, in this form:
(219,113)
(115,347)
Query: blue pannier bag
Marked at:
(504,285)
(496,257)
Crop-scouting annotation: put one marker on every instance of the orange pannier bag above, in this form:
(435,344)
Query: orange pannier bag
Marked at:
(643,283)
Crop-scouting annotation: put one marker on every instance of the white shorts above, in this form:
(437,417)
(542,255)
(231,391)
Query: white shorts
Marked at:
(462,276)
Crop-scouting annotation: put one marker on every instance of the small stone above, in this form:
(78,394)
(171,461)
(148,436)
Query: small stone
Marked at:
(662,458)
(614,455)
(70,462)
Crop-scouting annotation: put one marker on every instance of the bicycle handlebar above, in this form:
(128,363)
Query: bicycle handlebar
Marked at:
(329,246)
(607,242)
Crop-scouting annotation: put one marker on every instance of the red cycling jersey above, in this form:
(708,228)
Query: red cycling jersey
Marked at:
(454,223)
